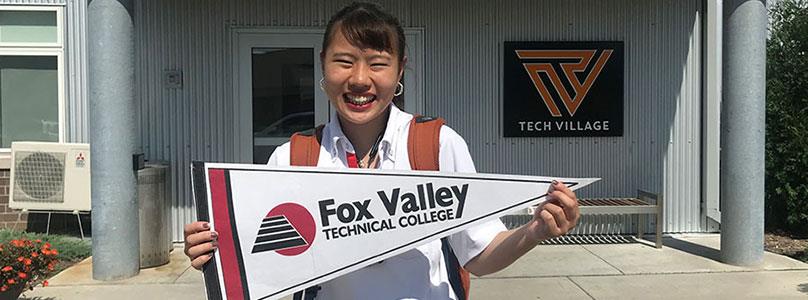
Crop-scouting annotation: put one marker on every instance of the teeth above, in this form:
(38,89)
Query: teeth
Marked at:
(359,100)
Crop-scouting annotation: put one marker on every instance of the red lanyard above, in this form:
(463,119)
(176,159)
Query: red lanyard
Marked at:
(352,163)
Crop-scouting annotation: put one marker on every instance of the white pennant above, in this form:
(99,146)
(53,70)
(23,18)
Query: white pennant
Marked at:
(282,230)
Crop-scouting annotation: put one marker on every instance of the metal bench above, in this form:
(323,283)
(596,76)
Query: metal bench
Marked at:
(646,203)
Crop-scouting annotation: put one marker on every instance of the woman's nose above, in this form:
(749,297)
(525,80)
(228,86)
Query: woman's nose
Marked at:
(359,81)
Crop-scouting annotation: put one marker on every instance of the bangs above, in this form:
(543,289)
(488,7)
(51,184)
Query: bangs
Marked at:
(364,32)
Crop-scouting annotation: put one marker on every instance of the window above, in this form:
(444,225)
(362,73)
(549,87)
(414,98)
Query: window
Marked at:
(31,74)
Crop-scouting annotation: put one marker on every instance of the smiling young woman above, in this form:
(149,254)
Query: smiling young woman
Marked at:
(363,63)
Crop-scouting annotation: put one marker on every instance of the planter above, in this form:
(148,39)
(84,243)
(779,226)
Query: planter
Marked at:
(13,293)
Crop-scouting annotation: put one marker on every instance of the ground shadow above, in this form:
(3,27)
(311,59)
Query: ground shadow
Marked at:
(803,287)
(693,248)
(591,239)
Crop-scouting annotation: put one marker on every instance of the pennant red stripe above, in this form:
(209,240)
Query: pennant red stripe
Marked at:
(227,248)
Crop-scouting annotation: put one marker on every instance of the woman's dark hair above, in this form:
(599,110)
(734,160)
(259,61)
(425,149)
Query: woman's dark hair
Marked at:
(367,25)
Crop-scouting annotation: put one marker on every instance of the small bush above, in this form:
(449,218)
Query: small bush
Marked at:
(25,263)
(787,118)
(71,249)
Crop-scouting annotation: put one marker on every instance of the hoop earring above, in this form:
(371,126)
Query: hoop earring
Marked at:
(321,84)
(400,90)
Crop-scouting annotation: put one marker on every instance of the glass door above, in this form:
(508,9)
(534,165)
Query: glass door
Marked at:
(276,79)
(279,93)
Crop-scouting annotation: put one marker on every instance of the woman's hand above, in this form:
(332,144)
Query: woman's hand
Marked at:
(200,242)
(557,216)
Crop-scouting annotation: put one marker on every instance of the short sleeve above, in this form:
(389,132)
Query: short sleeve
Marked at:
(280,157)
(455,157)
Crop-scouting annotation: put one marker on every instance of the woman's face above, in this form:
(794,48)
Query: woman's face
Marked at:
(359,83)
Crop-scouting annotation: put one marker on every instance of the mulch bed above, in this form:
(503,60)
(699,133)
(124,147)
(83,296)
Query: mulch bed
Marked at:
(786,244)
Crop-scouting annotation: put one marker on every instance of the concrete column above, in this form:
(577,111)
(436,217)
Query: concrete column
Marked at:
(116,240)
(743,129)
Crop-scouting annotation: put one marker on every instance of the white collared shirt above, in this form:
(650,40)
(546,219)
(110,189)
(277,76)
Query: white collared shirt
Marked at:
(420,273)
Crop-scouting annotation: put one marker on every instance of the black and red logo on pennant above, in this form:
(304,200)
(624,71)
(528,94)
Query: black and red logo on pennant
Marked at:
(287,229)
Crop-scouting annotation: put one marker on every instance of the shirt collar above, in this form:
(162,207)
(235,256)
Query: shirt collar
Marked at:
(395,123)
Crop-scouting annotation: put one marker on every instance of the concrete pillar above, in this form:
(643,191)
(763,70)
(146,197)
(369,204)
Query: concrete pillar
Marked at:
(116,241)
(743,128)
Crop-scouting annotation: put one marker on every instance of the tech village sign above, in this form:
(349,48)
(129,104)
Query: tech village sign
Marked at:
(312,225)
(559,89)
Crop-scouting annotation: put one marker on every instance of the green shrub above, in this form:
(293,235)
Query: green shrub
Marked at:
(71,249)
(787,118)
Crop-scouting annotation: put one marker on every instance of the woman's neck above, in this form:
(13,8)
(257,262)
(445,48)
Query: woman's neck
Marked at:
(363,137)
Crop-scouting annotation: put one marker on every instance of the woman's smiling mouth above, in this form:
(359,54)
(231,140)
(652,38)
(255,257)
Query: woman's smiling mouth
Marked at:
(359,100)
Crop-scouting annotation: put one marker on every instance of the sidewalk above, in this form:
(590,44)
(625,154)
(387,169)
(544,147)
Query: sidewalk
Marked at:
(687,267)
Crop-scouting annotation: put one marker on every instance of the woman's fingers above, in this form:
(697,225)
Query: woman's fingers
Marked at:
(560,186)
(200,237)
(196,227)
(197,250)
(570,206)
(550,224)
(200,242)
(561,195)
(200,261)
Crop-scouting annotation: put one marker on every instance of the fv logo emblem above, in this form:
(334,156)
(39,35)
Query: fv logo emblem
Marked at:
(287,229)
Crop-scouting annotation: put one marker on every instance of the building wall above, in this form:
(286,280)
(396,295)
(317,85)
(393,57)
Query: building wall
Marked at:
(9,219)
(76,119)
(75,55)
(660,149)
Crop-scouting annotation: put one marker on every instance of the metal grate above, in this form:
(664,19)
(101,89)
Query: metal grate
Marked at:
(39,177)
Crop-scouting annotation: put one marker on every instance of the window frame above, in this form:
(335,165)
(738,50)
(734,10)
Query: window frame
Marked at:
(43,49)
(59,26)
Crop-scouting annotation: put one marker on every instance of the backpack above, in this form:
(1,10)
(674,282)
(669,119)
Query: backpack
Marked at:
(423,146)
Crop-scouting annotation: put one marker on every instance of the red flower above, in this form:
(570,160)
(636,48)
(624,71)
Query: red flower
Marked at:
(22,275)
(6,269)
(4,288)
(11,281)
(45,283)
(27,261)
(20,259)
(34,254)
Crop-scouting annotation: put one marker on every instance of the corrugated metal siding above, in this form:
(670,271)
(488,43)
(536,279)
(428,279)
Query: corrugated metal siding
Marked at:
(660,148)
(33,2)
(659,151)
(76,57)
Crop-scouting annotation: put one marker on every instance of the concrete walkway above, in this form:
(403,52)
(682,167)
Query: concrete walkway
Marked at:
(687,267)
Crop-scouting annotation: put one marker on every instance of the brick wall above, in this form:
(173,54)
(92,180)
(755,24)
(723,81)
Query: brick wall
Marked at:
(9,218)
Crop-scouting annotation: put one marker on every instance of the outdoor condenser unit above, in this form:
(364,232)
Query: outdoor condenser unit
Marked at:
(50,176)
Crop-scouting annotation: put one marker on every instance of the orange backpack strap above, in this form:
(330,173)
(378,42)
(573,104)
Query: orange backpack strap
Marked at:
(305,147)
(304,151)
(423,148)
(423,143)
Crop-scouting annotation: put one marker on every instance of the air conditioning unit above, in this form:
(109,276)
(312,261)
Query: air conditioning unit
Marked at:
(50,176)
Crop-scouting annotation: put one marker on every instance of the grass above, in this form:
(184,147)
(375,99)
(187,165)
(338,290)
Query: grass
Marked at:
(71,249)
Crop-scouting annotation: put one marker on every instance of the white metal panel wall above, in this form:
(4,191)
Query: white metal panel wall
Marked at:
(76,57)
(463,68)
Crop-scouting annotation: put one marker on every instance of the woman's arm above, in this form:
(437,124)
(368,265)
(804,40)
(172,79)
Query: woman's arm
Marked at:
(554,218)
